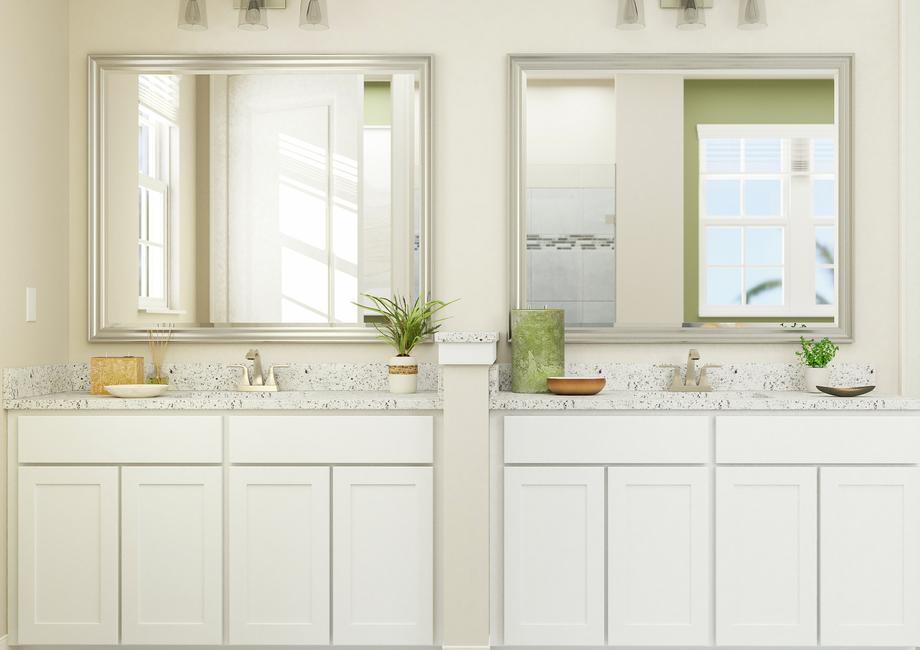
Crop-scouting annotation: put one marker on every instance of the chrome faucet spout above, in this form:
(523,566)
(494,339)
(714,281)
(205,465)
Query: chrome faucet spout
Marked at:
(258,378)
(691,377)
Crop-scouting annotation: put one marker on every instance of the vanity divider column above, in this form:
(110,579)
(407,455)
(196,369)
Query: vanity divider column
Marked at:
(465,359)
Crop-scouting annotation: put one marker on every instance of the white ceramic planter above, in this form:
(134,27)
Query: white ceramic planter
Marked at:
(815,377)
(403,375)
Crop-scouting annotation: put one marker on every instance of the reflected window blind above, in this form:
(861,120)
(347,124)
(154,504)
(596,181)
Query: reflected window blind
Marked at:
(160,93)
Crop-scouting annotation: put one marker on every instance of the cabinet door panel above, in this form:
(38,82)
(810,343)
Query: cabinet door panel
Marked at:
(68,555)
(383,573)
(869,548)
(279,555)
(659,556)
(171,555)
(766,556)
(554,556)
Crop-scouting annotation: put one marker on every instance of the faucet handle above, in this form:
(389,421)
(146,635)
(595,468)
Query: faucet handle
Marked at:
(271,381)
(244,375)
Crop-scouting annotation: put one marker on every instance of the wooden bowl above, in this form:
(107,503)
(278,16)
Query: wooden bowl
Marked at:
(576,385)
(855,391)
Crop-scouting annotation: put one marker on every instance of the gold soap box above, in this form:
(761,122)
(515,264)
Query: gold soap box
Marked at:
(113,371)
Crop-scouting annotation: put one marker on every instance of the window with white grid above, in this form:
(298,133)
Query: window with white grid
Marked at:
(768,221)
(158,107)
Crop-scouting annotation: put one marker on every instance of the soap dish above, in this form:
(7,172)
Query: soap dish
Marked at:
(576,385)
(137,391)
(854,391)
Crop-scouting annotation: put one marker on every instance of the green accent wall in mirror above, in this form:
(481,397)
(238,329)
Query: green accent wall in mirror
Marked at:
(739,101)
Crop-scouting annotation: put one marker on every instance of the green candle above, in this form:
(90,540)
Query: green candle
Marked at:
(537,348)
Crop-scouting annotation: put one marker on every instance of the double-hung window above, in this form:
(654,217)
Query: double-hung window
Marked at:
(158,105)
(768,221)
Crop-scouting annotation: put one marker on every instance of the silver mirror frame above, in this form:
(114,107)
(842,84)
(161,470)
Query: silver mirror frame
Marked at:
(99,330)
(839,64)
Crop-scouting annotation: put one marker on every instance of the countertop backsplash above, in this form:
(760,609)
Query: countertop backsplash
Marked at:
(734,377)
(20,383)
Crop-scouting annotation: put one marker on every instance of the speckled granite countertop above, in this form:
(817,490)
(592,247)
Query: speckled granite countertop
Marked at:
(654,400)
(344,400)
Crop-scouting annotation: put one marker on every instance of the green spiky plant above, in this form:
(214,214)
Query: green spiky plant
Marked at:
(817,354)
(403,324)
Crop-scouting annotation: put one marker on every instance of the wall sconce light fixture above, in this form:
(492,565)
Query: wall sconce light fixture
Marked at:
(692,15)
(193,15)
(313,14)
(752,14)
(631,14)
(253,16)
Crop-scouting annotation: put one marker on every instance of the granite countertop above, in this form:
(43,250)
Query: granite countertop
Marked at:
(656,400)
(343,400)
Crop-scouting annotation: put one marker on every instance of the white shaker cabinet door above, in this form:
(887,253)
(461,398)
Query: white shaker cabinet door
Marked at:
(869,556)
(554,556)
(383,564)
(68,555)
(659,550)
(279,555)
(171,555)
(766,556)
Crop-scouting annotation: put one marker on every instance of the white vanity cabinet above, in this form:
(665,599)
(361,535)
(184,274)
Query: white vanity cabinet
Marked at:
(278,555)
(606,538)
(68,555)
(767,556)
(124,528)
(802,530)
(171,555)
(554,555)
(383,567)
(658,555)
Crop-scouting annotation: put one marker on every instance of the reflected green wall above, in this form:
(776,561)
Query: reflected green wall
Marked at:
(377,103)
(738,101)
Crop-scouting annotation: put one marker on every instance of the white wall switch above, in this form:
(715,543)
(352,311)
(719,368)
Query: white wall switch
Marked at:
(31,304)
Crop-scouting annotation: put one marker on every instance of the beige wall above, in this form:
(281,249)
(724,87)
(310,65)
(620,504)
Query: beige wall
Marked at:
(471,131)
(33,190)
(650,200)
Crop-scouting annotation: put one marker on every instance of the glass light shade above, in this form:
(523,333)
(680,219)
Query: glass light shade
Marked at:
(631,14)
(254,16)
(193,14)
(752,14)
(313,14)
(691,15)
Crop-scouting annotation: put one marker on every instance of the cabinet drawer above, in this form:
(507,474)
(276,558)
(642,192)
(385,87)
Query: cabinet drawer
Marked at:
(331,439)
(119,439)
(818,439)
(599,440)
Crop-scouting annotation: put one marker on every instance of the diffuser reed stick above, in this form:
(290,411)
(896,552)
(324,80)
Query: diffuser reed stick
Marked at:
(157,340)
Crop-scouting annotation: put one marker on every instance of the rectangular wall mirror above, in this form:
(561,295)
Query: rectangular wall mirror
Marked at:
(256,198)
(683,197)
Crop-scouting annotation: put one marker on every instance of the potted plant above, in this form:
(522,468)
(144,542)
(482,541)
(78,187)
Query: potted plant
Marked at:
(816,355)
(404,325)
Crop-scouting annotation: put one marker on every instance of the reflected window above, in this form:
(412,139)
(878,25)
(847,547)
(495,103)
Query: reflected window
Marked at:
(763,188)
(158,106)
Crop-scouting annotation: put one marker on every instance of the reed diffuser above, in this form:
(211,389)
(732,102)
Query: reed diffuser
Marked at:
(157,340)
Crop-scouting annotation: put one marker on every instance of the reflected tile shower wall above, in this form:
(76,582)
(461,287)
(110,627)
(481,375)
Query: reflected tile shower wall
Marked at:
(571,252)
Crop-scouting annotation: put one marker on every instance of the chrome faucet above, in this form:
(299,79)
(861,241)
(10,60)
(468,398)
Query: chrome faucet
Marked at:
(692,381)
(256,358)
(258,381)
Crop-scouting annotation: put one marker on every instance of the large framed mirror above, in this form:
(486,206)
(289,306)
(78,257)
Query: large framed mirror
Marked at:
(668,198)
(256,197)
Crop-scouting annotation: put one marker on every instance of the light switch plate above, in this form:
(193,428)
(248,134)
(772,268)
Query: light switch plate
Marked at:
(269,4)
(31,304)
(675,4)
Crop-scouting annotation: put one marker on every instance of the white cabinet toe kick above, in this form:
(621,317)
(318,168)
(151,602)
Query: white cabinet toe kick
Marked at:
(706,530)
(169,530)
